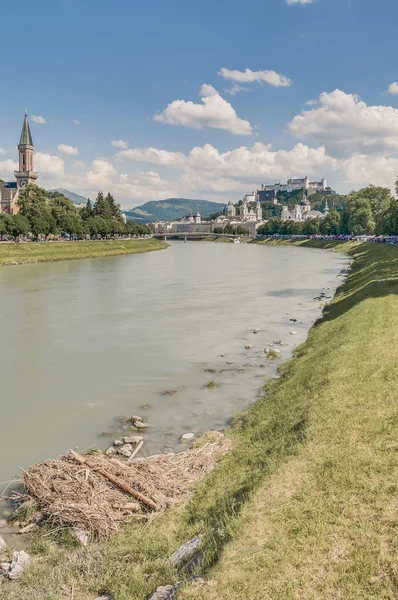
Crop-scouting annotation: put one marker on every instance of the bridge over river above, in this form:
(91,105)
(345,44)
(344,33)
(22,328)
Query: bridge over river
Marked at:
(193,236)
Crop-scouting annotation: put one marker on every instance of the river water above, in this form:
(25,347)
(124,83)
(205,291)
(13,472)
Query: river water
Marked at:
(85,341)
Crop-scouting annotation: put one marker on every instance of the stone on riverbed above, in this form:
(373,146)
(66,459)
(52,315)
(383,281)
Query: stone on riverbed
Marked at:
(2,544)
(118,443)
(187,437)
(110,452)
(20,561)
(164,592)
(185,552)
(133,439)
(248,347)
(126,450)
(293,333)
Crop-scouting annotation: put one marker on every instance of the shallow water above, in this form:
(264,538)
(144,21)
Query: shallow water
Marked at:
(83,342)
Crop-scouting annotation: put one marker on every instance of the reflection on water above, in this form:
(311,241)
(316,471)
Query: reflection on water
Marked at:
(83,342)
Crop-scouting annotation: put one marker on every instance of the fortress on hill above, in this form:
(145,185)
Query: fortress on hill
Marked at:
(26,174)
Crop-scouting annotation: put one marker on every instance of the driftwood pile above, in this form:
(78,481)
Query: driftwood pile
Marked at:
(95,494)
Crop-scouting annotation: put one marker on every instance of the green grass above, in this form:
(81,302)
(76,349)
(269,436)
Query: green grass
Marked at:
(34,252)
(304,506)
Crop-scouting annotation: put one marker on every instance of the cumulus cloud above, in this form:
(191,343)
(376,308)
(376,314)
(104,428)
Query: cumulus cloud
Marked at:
(119,144)
(290,2)
(49,167)
(153,156)
(76,122)
(2,151)
(248,76)
(38,119)
(7,168)
(393,89)
(68,150)
(214,111)
(345,125)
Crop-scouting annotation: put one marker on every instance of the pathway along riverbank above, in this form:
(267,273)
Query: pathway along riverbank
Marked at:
(37,252)
(304,505)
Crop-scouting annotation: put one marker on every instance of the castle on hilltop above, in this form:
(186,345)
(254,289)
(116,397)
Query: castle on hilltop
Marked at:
(24,176)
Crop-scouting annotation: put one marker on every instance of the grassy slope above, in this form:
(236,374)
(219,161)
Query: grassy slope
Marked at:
(322,522)
(304,506)
(53,251)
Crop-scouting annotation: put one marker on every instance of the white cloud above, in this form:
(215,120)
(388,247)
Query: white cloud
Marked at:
(345,125)
(214,111)
(76,122)
(38,119)
(2,151)
(7,168)
(393,89)
(68,150)
(119,144)
(235,88)
(248,76)
(153,156)
(290,2)
(79,164)
(48,166)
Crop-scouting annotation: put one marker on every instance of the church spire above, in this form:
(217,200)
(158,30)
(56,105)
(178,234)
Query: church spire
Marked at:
(26,136)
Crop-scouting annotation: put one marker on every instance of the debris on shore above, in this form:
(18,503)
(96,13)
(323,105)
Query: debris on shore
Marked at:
(96,494)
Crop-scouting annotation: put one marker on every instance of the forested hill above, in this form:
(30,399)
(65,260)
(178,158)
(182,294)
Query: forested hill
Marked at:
(172,208)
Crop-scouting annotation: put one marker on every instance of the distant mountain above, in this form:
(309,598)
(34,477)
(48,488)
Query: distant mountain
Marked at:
(75,198)
(172,208)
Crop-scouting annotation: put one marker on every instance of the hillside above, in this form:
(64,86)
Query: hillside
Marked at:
(75,198)
(172,208)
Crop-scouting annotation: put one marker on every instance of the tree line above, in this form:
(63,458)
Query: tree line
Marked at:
(369,211)
(43,213)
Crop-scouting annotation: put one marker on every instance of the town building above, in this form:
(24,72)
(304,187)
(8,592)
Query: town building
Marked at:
(24,176)
(292,185)
(302,211)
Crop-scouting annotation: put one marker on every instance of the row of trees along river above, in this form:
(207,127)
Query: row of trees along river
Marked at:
(45,213)
(371,210)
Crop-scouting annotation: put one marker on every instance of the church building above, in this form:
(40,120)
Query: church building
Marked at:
(24,176)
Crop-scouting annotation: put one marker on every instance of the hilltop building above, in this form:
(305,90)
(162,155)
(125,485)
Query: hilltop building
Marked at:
(24,176)
(292,185)
(303,211)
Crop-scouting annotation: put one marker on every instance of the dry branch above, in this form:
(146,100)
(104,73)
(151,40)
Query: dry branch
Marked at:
(99,503)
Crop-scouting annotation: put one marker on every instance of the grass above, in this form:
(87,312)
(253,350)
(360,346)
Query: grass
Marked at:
(34,252)
(304,506)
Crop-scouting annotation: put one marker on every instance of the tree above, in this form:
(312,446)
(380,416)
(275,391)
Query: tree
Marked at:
(241,230)
(19,225)
(5,224)
(113,207)
(87,212)
(360,220)
(217,230)
(379,198)
(311,227)
(102,207)
(390,221)
(330,225)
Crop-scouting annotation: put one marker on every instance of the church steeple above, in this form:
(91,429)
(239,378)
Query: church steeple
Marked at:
(26,136)
(26,174)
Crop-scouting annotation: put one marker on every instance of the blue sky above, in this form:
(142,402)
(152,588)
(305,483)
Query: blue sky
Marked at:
(164,79)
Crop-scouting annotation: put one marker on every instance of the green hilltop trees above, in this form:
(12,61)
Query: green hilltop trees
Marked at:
(368,211)
(45,213)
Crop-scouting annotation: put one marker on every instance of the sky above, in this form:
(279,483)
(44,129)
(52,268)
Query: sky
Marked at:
(200,98)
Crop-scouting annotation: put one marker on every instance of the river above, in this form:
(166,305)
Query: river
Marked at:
(85,341)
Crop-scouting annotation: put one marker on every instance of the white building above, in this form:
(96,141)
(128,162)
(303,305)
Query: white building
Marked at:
(303,211)
(297,184)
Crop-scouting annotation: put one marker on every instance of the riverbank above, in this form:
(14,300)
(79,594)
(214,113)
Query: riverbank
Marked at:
(37,252)
(304,504)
